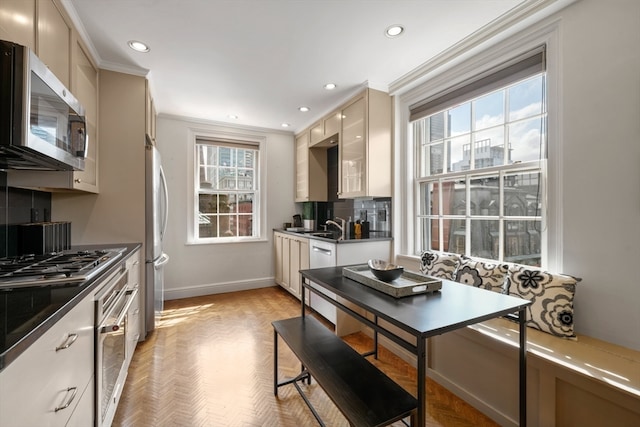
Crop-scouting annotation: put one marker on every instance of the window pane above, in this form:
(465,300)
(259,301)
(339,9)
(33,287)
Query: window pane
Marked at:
(207,177)
(245,179)
(226,201)
(208,155)
(207,226)
(456,232)
(485,238)
(227,157)
(489,148)
(489,110)
(522,194)
(227,179)
(459,120)
(208,203)
(459,154)
(436,156)
(526,140)
(522,242)
(436,127)
(245,159)
(485,196)
(245,203)
(227,228)
(526,99)
(244,225)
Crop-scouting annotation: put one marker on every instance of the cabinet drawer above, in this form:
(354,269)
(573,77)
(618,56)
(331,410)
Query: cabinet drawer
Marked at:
(52,373)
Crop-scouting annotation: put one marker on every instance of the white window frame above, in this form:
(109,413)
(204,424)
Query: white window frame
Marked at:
(476,60)
(259,208)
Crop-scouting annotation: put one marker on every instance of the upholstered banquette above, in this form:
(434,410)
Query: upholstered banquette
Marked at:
(551,294)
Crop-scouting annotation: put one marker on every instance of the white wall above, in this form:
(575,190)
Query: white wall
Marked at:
(214,268)
(595,193)
(601,167)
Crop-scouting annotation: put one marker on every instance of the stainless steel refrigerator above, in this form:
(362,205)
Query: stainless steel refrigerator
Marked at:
(156,207)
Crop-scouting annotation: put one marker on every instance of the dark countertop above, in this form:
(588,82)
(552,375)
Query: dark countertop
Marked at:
(335,236)
(60,299)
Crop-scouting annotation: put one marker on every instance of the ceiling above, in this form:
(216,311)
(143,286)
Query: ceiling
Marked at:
(262,59)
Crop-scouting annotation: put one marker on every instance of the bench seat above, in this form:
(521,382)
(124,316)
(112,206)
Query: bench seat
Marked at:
(363,393)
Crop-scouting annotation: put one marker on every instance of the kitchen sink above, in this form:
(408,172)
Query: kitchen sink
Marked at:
(327,234)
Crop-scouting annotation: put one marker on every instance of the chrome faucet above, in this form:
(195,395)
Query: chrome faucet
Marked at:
(340,226)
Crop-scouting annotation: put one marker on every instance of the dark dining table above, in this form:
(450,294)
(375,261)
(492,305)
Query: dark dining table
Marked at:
(422,316)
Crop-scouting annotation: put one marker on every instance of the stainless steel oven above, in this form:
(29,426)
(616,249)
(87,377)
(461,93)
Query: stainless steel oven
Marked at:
(113,302)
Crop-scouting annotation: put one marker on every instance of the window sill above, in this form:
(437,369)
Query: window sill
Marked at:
(223,241)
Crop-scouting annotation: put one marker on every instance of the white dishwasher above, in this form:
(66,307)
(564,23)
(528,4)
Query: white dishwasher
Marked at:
(322,254)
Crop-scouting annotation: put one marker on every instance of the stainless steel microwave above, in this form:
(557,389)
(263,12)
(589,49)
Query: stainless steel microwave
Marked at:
(42,125)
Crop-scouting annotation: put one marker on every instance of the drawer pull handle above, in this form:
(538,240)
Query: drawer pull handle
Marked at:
(73,391)
(71,338)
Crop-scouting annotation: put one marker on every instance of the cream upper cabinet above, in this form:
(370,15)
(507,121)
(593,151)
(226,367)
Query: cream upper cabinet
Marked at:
(302,167)
(85,88)
(80,75)
(326,132)
(150,115)
(311,171)
(17,22)
(365,147)
(54,40)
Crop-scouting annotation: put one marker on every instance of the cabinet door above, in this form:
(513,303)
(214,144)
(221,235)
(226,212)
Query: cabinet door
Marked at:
(294,266)
(43,386)
(150,115)
(286,260)
(332,124)
(353,150)
(278,239)
(17,19)
(54,37)
(85,88)
(302,167)
(317,133)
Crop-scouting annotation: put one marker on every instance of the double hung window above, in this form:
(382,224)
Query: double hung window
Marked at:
(227,193)
(480,172)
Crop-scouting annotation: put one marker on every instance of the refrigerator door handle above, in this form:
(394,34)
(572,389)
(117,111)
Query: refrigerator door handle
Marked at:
(165,213)
(164,258)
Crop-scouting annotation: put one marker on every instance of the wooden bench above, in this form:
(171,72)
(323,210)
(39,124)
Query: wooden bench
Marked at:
(364,394)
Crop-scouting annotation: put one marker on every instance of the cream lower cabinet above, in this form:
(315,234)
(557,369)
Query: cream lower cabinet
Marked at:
(291,256)
(51,383)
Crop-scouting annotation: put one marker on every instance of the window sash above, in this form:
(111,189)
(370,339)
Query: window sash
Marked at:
(240,223)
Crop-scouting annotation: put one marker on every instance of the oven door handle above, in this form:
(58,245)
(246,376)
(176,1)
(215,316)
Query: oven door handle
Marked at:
(115,327)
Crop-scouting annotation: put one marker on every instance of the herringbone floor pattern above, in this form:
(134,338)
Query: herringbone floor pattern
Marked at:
(210,364)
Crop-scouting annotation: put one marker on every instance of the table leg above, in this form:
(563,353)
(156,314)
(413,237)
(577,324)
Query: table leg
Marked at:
(522,317)
(302,291)
(422,374)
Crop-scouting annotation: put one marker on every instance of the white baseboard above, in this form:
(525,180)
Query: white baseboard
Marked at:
(217,288)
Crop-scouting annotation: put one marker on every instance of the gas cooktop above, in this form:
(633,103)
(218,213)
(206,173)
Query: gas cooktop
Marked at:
(55,268)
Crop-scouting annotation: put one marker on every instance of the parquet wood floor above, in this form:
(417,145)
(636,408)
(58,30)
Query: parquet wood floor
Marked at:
(210,363)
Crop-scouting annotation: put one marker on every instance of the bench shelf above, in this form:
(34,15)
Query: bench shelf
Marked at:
(364,394)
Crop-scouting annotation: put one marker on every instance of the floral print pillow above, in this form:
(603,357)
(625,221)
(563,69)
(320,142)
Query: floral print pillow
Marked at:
(551,296)
(482,274)
(439,264)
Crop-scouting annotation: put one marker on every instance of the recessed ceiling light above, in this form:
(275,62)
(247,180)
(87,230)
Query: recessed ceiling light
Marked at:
(285,125)
(304,109)
(330,86)
(232,116)
(138,46)
(394,30)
